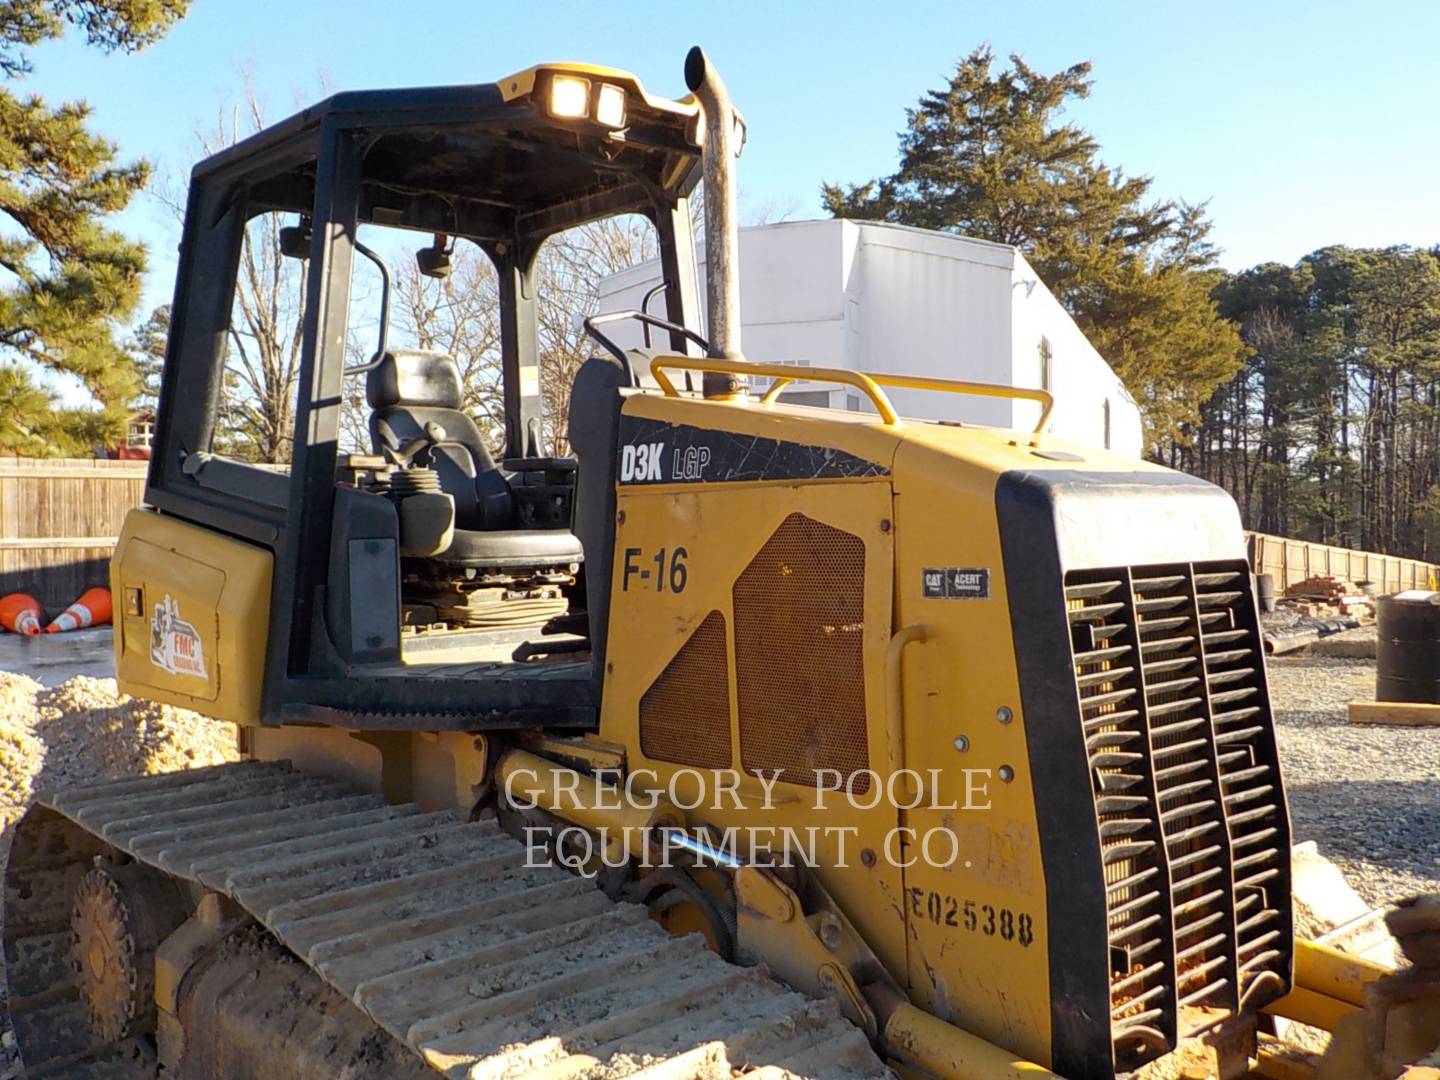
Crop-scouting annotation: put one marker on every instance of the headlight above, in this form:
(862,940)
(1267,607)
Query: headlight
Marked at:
(610,106)
(570,97)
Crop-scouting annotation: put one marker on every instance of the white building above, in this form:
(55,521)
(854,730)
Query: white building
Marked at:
(888,298)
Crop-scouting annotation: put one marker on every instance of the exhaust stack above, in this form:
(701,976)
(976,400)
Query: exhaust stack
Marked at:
(722,236)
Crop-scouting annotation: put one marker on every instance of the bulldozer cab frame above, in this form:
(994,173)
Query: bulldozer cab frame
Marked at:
(504,165)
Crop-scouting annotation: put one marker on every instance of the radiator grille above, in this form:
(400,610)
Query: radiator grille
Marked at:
(685,715)
(1192,822)
(799,664)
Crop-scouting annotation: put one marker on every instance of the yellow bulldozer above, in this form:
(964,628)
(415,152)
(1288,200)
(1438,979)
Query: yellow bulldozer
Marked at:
(752,739)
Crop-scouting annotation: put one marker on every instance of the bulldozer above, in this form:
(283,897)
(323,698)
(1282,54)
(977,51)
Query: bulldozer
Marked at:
(751,738)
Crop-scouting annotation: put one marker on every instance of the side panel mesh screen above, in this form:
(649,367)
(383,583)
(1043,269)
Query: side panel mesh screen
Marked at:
(1193,827)
(799,665)
(685,715)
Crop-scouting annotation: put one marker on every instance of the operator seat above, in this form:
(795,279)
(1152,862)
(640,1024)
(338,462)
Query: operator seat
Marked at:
(415,397)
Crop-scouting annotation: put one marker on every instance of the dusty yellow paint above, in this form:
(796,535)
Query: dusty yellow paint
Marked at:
(647,628)
(212,584)
(968,941)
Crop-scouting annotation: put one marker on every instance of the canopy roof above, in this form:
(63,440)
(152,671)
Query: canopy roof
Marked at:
(486,161)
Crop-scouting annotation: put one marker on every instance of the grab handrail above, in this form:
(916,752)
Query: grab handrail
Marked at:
(869,382)
(858,379)
(1045,399)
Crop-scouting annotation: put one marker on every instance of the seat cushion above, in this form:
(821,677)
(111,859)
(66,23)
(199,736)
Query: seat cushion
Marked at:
(512,548)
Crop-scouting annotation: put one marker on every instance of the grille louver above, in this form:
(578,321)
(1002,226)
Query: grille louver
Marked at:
(1194,837)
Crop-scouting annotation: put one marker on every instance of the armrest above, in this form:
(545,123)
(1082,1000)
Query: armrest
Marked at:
(540,464)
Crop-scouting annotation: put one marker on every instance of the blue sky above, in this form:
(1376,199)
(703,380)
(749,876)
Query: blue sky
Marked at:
(1303,124)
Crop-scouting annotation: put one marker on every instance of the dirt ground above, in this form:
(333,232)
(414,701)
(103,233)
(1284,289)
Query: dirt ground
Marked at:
(83,731)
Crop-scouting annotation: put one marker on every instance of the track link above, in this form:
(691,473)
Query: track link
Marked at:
(484,966)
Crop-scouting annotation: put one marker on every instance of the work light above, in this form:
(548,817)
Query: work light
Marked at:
(610,106)
(569,96)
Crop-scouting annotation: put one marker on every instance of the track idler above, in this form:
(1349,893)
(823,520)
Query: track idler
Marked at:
(120,915)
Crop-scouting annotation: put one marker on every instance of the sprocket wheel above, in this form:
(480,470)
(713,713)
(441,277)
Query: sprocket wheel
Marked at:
(119,915)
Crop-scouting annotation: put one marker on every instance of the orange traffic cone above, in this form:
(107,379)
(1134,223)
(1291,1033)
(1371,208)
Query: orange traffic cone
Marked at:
(20,613)
(92,609)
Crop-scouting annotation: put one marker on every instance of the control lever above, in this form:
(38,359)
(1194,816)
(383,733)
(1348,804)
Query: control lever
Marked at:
(404,455)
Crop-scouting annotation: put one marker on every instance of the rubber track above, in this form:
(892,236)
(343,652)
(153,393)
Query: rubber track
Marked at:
(486,967)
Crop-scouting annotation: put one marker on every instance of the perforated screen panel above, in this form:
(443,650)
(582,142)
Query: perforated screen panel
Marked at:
(685,715)
(799,652)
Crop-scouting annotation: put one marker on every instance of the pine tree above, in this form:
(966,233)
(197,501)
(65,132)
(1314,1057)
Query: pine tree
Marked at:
(987,156)
(1331,432)
(71,280)
(147,353)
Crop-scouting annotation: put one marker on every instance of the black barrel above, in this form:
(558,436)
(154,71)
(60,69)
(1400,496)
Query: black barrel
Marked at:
(1265,590)
(1407,652)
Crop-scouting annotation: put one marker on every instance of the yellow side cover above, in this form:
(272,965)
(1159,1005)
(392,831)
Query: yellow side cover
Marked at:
(192,609)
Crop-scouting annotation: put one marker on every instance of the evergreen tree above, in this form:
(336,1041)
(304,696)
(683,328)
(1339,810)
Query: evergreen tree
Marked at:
(147,353)
(987,156)
(1331,432)
(71,279)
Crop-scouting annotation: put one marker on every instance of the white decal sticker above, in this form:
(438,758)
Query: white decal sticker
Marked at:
(174,644)
(956,583)
(642,462)
(691,462)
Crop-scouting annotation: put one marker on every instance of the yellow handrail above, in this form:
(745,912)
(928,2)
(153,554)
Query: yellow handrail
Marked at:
(949,386)
(868,381)
(980,389)
(857,379)
(895,694)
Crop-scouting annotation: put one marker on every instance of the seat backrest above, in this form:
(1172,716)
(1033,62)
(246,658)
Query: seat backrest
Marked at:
(411,388)
(594,437)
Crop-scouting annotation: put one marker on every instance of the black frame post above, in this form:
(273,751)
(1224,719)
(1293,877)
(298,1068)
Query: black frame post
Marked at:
(300,564)
(520,349)
(677,265)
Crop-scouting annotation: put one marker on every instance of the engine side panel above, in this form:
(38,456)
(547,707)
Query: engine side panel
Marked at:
(750,616)
(976,888)
(192,612)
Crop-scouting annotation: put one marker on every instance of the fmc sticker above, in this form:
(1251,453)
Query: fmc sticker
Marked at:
(174,644)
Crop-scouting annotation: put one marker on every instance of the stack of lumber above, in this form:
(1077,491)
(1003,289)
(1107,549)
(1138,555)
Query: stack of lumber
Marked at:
(1322,586)
(1322,596)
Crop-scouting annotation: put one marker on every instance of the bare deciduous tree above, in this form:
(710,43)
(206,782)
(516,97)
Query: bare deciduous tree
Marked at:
(459,315)
(262,363)
(571,267)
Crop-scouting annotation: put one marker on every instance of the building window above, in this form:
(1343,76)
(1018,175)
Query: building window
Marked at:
(1045,357)
(141,432)
(1107,423)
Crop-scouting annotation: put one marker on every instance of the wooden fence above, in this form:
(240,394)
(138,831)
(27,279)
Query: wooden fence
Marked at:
(59,519)
(1290,561)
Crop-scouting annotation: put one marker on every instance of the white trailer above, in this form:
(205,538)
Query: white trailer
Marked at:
(874,297)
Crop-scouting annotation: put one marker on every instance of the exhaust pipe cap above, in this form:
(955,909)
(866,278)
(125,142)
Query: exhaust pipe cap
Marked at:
(695,65)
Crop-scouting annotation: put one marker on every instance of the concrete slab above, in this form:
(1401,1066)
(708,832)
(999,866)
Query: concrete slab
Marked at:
(1352,644)
(51,659)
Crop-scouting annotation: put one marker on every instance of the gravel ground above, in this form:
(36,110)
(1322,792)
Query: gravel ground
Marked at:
(1366,794)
